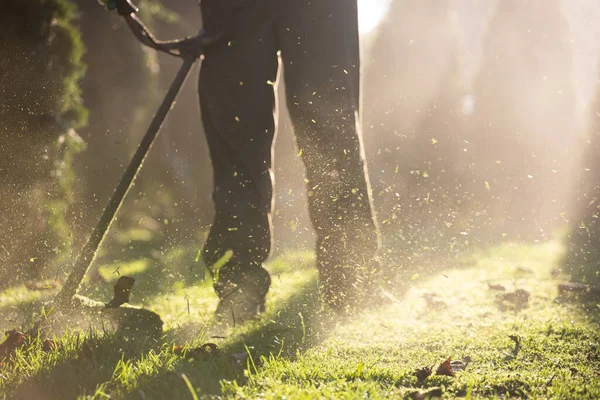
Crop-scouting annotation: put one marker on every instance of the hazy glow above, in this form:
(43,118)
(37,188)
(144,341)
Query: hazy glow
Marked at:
(370,13)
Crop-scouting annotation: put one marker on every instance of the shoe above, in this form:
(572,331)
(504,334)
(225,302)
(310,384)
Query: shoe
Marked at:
(242,294)
(236,308)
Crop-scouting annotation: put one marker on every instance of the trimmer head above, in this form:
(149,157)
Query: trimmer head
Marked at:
(84,313)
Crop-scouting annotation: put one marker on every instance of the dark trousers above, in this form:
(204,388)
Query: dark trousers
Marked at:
(318,41)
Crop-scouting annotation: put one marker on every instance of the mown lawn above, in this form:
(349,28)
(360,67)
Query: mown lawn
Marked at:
(299,350)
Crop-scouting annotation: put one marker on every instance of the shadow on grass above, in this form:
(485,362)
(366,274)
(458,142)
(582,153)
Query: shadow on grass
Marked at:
(100,362)
(79,366)
(289,329)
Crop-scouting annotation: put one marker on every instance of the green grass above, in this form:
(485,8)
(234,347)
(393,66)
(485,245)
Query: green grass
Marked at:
(300,350)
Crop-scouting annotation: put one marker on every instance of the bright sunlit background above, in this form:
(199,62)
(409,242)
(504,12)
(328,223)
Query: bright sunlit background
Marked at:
(370,14)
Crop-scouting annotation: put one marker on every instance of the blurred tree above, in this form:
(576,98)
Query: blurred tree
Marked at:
(122,96)
(582,259)
(523,133)
(120,89)
(40,104)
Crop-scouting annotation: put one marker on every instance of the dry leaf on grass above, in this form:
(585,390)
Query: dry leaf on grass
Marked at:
(516,300)
(14,340)
(423,373)
(496,286)
(446,369)
(519,296)
(204,352)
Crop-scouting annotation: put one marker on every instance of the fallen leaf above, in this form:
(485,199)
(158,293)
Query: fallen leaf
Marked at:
(204,352)
(519,297)
(14,340)
(445,369)
(423,373)
(496,286)
(122,290)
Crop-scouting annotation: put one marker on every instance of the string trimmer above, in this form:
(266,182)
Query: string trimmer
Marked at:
(189,50)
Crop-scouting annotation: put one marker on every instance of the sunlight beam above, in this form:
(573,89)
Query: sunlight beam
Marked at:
(371,13)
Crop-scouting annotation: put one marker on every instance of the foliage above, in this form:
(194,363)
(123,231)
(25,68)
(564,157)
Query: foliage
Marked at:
(42,65)
(40,56)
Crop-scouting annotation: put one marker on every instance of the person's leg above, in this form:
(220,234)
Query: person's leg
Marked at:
(237,104)
(320,52)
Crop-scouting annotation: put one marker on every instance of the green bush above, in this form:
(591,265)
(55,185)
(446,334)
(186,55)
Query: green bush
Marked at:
(40,60)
